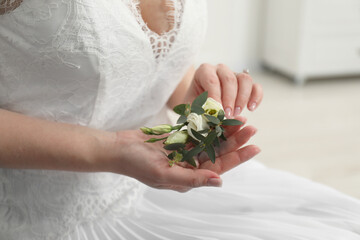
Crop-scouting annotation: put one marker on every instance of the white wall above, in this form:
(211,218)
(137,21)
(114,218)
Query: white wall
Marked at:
(233,35)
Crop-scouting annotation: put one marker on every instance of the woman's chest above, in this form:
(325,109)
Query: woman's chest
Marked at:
(79,54)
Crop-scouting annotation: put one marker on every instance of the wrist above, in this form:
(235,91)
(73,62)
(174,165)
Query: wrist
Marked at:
(101,146)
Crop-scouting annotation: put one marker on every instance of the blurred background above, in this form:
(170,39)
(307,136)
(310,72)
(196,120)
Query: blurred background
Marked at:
(306,55)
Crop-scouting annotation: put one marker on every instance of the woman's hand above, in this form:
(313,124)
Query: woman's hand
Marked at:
(234,91)
(229,154)
(148,162)
(59,146)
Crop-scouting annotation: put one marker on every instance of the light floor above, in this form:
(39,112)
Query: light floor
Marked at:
(311,130)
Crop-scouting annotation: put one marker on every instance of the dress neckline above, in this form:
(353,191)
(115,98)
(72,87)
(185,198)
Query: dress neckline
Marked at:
(161,44)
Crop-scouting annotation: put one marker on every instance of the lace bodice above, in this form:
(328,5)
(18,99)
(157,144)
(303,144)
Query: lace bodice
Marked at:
(94,63)
(160,43)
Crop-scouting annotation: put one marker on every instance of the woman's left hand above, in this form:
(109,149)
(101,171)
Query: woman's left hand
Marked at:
(236,91)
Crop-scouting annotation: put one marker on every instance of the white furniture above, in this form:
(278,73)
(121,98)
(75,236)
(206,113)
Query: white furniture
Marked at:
(312,38)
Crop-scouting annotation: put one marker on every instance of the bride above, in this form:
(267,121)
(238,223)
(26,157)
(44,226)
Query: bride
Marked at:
(78,78)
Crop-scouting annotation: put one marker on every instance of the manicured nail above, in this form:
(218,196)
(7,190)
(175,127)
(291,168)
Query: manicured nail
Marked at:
(252,106)
(228,112)
(214,182)
(237,111)
(254,132)
(258,150)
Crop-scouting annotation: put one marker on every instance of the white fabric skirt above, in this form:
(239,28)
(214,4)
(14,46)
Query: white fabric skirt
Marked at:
(254,203)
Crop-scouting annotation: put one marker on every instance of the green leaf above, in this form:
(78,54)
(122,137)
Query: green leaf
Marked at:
(200,100)
(197,109)
(217,142)
(194,141)
(193,152)
(231,122)
(183,152)
(182,119)
(152,140)
(192,162)
(212,119)
(180,109)
(188,109)
(223,137)
(219,130)
(203,131)
(210,152)
(197,135)
(212,125)
(171,155)
(221,115)
(177,127)
(175,146)
(210,138)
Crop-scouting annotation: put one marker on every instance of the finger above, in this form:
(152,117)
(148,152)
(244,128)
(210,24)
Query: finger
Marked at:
(191,178)
(180,189)
(230,130)
(255,97)
(231,160)
(237,140)
(244,91)
(207,78)
(233,143)
(229,88)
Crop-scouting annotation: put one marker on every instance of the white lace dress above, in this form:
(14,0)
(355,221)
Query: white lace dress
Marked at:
(96,63)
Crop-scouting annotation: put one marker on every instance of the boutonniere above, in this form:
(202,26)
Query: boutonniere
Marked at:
(200,128)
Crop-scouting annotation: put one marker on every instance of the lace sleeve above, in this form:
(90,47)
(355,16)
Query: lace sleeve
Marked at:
(8,5)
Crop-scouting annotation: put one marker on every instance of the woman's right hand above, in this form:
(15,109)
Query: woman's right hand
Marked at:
(130,155)
(148,162)
(31,143)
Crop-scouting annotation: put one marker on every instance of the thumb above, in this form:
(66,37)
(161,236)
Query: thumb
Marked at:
(193,178)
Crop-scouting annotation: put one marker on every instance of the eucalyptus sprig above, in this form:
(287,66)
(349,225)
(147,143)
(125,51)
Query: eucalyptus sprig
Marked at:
(199,128)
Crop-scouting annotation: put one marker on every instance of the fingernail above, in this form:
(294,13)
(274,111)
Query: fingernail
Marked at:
(254,132)
(228,112)
(252,107)
(237,111)
(214,182)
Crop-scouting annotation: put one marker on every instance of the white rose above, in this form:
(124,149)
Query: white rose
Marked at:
(198,123)
(212,107)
